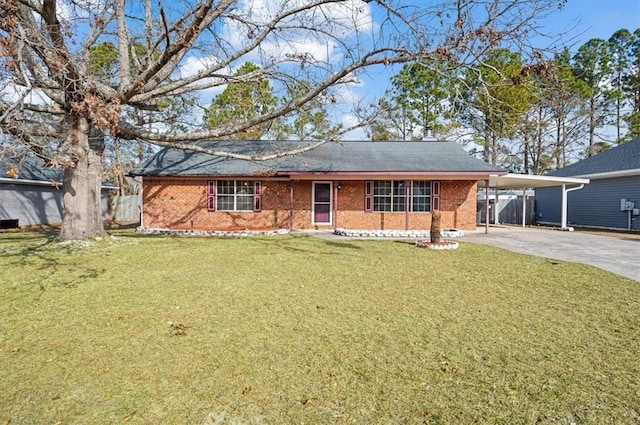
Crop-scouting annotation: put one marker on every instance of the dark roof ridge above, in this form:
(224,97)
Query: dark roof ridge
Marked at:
(338,157)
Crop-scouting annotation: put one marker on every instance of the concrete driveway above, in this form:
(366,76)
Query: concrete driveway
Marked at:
(618,253)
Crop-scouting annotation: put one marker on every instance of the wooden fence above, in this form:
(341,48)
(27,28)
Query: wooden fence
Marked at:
(125,208)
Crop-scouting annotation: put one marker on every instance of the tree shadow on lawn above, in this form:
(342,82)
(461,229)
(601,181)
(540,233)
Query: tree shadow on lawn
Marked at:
(288,243)
(29,233)
(48,261)
(342,245)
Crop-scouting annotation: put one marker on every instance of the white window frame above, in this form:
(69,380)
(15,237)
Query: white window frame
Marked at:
(408,196)
(213,199)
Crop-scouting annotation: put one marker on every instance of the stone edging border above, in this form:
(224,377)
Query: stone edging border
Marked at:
(422,234)
(439,246)
(217,233)
(446,233)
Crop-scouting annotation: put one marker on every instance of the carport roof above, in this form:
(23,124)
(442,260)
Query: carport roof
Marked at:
(519,181)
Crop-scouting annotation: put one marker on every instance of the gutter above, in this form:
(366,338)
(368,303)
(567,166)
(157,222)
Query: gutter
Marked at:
(363,175)
(49,183)
(609,174)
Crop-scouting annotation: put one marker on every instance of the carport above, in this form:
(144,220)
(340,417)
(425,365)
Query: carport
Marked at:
(526,181)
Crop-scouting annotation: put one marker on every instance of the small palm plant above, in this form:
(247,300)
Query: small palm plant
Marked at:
(435,227)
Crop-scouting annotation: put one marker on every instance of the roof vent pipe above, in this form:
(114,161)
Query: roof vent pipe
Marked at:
(428,134)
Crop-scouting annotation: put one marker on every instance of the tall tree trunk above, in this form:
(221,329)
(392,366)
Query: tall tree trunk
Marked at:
(565,141)
(526,152)
(559,143)
(592,126)
(494,148)
(434,234)
(119,168)
(81,184)
(618,123)
(485,151)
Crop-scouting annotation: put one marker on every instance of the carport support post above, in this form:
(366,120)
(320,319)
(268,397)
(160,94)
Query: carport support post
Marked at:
(486,206)
(563,220)
(496,207)
(524,207)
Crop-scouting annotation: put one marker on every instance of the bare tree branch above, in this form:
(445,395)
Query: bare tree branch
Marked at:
(124,44)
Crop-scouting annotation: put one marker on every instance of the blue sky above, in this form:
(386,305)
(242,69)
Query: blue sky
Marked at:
(578,21)
(587,19)
(571,26)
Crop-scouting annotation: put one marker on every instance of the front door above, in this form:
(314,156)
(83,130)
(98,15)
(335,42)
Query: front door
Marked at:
(322,203)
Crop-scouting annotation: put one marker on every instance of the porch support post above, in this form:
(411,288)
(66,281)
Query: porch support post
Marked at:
(486,206)
(290,205)
(406,204)
(336,184)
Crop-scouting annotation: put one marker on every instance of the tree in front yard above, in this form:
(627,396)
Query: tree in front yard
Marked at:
(434,233)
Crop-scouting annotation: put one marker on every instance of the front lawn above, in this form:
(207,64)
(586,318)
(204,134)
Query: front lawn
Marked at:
(293,330)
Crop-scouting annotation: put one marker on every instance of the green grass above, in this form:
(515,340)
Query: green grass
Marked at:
(293,330)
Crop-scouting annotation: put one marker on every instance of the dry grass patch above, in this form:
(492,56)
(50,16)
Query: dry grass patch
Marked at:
(286,330)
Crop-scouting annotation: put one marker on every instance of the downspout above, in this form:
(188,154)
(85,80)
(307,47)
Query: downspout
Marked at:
(141,207)
(290,205)
(563,224)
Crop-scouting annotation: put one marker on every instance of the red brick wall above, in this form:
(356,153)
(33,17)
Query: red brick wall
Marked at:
(182,204)
(457,204)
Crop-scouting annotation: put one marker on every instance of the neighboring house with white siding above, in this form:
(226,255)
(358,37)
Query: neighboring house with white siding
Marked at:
(614,176)
(32,193)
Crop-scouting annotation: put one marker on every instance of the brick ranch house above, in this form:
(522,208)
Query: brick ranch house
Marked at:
(350,185)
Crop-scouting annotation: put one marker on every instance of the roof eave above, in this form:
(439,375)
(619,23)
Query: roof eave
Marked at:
(611,174)
(52,183)
(373,175)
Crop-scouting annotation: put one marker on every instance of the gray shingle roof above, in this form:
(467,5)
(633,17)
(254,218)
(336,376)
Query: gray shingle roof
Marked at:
(32,169)
(29,168)
(619,158)
(333,157)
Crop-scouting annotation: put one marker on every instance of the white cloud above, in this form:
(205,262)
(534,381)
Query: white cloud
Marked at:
(316,33)
(311,49)
(67,10)
(194,64)
(349,120)
(11,93)
(348,93)
(349,16)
